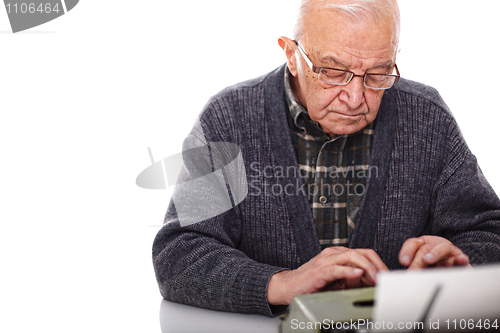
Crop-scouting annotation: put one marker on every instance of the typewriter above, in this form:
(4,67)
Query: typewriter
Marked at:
(433,300)
(328,312)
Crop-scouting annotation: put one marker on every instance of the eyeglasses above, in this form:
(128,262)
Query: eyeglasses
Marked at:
(341,77)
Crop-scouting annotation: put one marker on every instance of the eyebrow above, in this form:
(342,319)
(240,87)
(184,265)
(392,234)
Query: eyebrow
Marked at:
(334,60)
(386,64)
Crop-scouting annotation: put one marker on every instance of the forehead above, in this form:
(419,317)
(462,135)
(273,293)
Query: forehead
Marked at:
(334,35)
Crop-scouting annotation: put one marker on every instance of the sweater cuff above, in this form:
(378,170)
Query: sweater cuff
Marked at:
(250,290)
(481,253)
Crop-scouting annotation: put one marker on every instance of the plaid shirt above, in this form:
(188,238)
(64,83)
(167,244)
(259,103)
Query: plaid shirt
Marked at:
(334,171)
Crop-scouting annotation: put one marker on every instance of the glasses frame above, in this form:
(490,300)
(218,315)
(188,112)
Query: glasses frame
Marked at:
(317,70)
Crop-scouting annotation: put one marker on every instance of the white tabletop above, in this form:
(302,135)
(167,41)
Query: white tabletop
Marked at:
(175,318)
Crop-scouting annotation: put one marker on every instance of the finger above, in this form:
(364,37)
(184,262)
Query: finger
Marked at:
(365,281)
(439,254)
(338,272)
(336,285)
(353,258)
(333,250)
(445,263)
(362,282)
(417,261)
(373,257)
(460,260)
(408,250)
(441,251)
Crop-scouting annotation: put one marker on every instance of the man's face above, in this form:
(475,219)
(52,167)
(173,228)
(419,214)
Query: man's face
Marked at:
(333,41)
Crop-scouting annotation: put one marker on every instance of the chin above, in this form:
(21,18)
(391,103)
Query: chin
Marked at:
(349,128)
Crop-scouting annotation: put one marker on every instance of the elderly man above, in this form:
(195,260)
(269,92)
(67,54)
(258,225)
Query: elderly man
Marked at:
(384,178)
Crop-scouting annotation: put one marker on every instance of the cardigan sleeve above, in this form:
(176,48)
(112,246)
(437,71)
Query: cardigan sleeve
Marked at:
(199,263)
(467,210)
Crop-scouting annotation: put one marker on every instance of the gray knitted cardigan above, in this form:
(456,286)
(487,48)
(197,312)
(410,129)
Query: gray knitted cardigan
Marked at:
(428,182)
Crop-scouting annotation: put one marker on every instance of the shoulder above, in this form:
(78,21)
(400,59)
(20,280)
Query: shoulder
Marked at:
(408,89)
(271,79)
(239,108)
(423,115)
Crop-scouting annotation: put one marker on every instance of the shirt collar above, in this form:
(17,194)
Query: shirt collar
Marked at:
(293,105)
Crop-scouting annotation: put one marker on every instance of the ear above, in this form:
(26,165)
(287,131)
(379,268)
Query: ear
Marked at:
(289,46)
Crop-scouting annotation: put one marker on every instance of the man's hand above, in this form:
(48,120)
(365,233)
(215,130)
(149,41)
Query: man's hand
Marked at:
(431,251)
(334,268)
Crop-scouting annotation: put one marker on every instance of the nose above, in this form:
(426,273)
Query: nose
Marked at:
(353,94)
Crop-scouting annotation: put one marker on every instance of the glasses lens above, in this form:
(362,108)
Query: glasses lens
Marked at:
(379,81)
(334,76)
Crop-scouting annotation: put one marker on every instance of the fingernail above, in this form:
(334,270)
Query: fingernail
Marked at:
(358,270)
(405,260)
(428,257)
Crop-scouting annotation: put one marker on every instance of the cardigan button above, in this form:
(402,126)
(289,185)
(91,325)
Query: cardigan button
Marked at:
(322,199)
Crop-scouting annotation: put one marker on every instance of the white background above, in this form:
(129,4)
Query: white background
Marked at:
(83,96)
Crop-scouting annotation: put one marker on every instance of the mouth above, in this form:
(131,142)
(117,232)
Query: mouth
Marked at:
(348,115)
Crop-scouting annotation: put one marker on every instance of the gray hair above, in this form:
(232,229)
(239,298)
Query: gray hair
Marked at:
(354,10)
